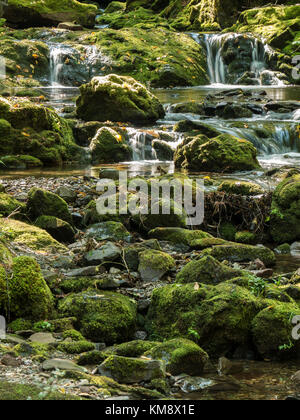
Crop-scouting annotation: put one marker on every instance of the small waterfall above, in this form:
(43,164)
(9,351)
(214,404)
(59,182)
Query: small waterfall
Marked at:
(249,54)
(141,144)
(59,57)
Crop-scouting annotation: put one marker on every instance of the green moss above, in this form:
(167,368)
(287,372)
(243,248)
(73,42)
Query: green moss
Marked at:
(246,237)
(272,331)
(30,236)
(5,255)
(8,205)
(20,392)
(75,335)
(206,270)
(159,57)
(131,370)
(107,147)
(241,253)
(133,348)
(101,316)
(77,347)
(228,231)
(59,229)
(241,187)
(155,260)
(20,162)
(285,212)
(224,153)
(91,358)
(52,11)
(178,235)
(28,295)
(217,317)
(20,324)
(181,356)
(44,203)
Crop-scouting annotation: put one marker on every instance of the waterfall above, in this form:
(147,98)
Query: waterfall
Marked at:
(141,144)
(59,56)
(247,52)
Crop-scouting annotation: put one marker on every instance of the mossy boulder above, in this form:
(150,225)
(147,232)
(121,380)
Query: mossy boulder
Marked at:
(34,130)
(181,356)
(272,331)
(77,347)
(108,231)
(246,237)
(28,295)
(153,265)
(118,98)
(45,203)
(241,188)
(109,147)
(206,270)
(285,213)
(241,253)
(131,370)
(216,317)
(178,235)
(224,153)
(57,228)
(131,253)
(20,162)
(8,205)
(39,13)
(34,238)
(134,348)
(102,317)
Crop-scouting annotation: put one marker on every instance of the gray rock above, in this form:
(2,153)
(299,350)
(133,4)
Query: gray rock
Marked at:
(53,364)
(85,271)
(66,194)
(112,231)
(42,338)
(107,252)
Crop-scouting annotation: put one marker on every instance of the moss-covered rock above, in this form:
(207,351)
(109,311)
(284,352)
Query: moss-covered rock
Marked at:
(32,237)
(44,203)
(57,228)
(151,55)
(131,370)
(224,153)
(206,270)
(118,98)
(241,187)
(8,205)
(20,162)
(76,348)
(34,130)
(246,237)
(102,317)
(27,294)
(109,147)
(180,356)
(272,331)
(134,348)
(110,231)
(241,253)
(39,13)
(153,265)
(218,318)
(285,213)
(178,235)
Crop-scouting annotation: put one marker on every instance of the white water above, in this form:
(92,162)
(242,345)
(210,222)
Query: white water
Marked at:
(217,69)
(58,57)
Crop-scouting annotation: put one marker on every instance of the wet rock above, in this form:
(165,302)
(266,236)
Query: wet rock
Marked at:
(108,146)
(66,194)
(226,367)
(11,361)
(164,151)
(70,26)
(129,370)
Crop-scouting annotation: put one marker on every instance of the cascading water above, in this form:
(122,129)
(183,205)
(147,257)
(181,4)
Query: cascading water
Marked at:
(141,144)
(237,59)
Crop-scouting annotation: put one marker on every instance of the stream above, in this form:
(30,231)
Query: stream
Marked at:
(280,147)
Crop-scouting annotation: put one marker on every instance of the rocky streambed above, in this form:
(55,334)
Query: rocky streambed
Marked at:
(142,306)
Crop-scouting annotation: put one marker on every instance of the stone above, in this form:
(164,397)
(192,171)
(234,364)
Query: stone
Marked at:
(106,253)
(42,338)
(111,231)
(61,364)
(59,229)
(118,98)
(153,265)
(130,370)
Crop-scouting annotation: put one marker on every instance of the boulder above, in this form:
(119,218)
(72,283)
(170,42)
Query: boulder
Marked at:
(224,153)
(118,98)
(109,147)
(130,370)
(111,231)
(241,188)
(106,253)
(103,317)
(153,265)
(59,229)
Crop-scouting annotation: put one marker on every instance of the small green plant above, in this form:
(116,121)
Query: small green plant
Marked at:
(277,281)
(276,212)
(193,333)
(286,347)
(257,285)
(43,326)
